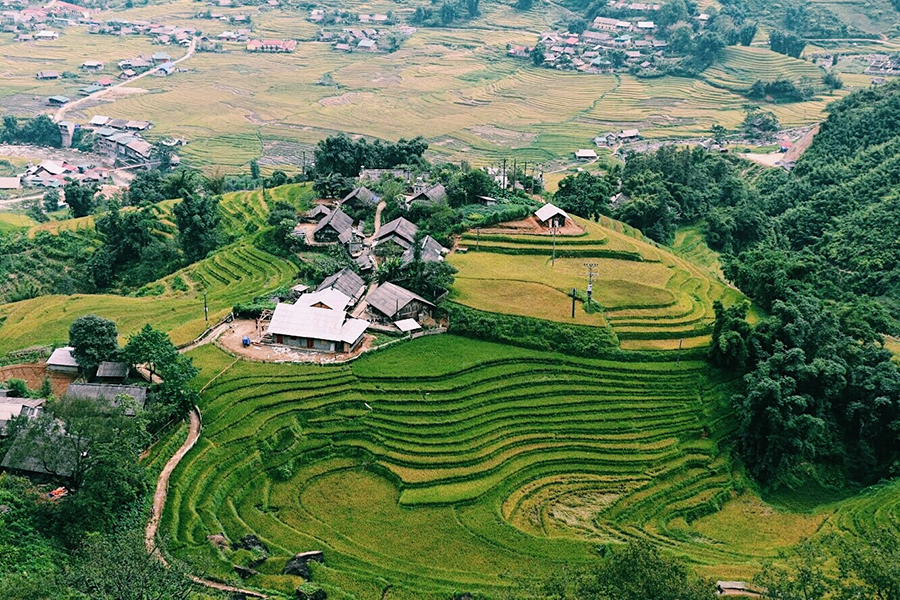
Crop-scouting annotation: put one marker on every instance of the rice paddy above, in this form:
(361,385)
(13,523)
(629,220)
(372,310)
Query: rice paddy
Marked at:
(445,465)
(455,87)
(652,299)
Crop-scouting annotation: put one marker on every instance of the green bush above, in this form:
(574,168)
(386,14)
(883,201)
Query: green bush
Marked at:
(251,310)
(539,334)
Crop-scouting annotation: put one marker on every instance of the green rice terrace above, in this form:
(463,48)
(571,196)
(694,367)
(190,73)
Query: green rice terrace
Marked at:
(445,465)
(651,298)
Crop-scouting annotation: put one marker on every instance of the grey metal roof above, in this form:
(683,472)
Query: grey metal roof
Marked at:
(319,210)
(107,391)
(390,298)
(315,323)
(433,195)
(432,251)
(345,281)
(363,194)
(337,220)
(47,454)
(398,227)
(118,370)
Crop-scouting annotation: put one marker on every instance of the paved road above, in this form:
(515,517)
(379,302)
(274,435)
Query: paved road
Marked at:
(60,114)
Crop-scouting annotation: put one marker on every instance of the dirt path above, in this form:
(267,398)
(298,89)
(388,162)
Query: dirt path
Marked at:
(378,210)
(195,425)
(60,114)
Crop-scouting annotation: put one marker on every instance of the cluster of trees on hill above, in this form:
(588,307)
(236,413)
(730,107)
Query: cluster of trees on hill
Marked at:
(822,397)
(447,14)
(816,248)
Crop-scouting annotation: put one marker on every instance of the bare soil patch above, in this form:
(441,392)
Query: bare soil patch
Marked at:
(512,139)
(33,375)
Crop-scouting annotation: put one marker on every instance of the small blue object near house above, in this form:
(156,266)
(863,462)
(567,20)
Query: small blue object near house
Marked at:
(245,341)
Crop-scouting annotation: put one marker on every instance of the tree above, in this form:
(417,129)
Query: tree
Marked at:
(465,188)
(51,201)
(538,54)
(93,340)
(786,43)
(584,194)
(448,13)
(681,39)
(41,131)
(730,337)
(150,347)
(527,4)
(80,198)
(748,32)
(719,133)
(804,579)
(35,211)
(120,567)
(254,169)
(146,187)
(472,8)
(197,217)
(636,572)
(832,80)
(162,154)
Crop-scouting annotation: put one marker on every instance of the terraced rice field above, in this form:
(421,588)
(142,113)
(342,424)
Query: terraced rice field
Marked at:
(742,66)
(453,86)
(652,298)
(234,274)
(446,464)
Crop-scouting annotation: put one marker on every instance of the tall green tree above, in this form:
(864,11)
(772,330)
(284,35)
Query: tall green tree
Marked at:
(80,198)
(93,340)
(197,217)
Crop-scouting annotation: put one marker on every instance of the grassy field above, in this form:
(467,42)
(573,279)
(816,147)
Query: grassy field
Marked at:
(652,298)
(10,222)
(447,464)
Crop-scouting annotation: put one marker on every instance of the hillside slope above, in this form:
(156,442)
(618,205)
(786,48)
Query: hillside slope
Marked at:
(650,297)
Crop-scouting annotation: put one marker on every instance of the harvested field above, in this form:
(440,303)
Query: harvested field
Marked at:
(34,374)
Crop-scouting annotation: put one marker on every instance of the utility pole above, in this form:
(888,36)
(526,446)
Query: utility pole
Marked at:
(515,173)
(553,256)
(205,307)
(503,179)
(590,287)
(573,303)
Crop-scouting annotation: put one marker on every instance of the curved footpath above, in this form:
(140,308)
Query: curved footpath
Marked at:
(195,424)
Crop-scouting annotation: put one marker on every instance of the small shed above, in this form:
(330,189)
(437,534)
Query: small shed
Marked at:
(407,325)
(585,154)
(57,100)
(62,361)
(551,216)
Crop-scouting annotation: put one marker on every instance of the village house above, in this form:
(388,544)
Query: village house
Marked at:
(46,35)
(316,213)
(316,329)
(345,281)
(335,227)
(551,216)
(429,251)
(15,407)
(367,45)
(395,237)
(48,75)
(428,196)
(111,371)
(10,183)
(390,302)
(271,45)
(57,100)
(92,65)
(108,393)
(585,154)
(329,298)
(360,197)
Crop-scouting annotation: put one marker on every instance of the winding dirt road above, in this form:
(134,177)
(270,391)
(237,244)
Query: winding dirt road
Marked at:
(195,425)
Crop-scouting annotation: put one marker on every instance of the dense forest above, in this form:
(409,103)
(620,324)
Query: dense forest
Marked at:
(818,249)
